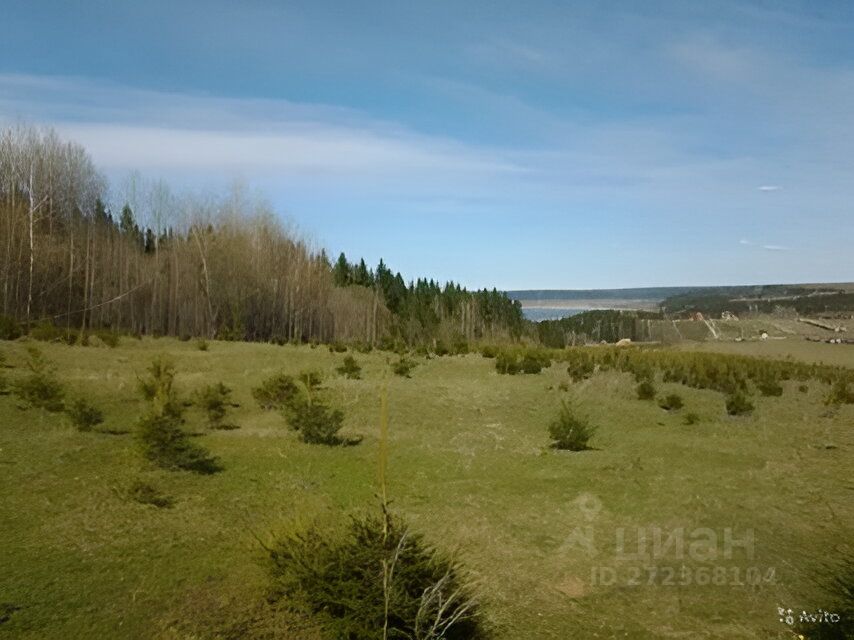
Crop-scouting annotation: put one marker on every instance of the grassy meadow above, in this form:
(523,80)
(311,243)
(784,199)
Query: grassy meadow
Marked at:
(470,467)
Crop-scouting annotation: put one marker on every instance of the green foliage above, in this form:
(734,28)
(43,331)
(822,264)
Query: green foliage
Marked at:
(9,328)
(507,363)
(202,344)
(159,433)
(338,574)
(690,418)
(109,338)
(489,351)
(146,493)
(738,404)
(48,332)
(839,393)
(214,401)
(803,388)
(276,392)
(316,423)
(337,347)
(671,402)
(40,388)
(646,390)
(84,415)
(350,368)
(310,379)
(403,367)
(769,387)
(164,443)
(568,431)
(530,361)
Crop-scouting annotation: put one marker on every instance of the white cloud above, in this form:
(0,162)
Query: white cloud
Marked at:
(770,187)
(745,242)
(774,247)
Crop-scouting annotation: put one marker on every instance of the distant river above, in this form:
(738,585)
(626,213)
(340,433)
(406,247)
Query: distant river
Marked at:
(549,313)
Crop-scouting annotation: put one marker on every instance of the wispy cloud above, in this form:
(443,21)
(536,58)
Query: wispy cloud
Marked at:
(774,247)
(770,187)
(745,242)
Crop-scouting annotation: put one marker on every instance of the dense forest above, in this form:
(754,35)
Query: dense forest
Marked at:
(161,264)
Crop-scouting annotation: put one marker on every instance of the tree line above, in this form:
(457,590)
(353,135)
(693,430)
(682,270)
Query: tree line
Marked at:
(179,265)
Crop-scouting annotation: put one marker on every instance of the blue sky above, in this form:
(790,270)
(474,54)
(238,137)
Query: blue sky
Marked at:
(509,144)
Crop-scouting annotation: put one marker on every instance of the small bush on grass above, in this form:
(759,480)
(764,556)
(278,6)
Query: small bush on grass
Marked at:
(738,404)
(375,574)
(84,415)
(489,351)
(769,387)
(671,402)
(580,370)
(9,328)
(690,418)
(146,493)
(337,347)
(404,367)
(276,392)
(214,401)
(350,368)
(507,363)
(164,443)
(4,382)
(646,390)
(40,388)
(202,344)
(803,388)
(310,379)
(531,364)
(839,393)
(569,431)
(159,432)
(109,338)
(316,423)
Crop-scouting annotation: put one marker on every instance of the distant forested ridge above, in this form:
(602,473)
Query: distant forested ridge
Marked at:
(161,264)
(639,293)
(609,325)
(763,299)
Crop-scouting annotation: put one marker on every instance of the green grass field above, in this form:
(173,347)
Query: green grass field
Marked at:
(470,468)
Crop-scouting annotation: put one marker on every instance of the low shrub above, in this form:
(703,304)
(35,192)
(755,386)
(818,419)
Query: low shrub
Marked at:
(671,402)
(159,432)
(311,379)
(350,368)
(489,351)
(738,404)
(337,347)
(646,390)
(839,393)
(690,418)
(214,401)
(403,367)
(569,431)
(374,574)
(40,388)
(164,443)
(316,423)
(441,349)
(580,370)
(769,387)
(84,415)
(145,493)
(9,328)
(803,388)
(49,332)
(507,363)
(202,344)
(276,392)
(109,338)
